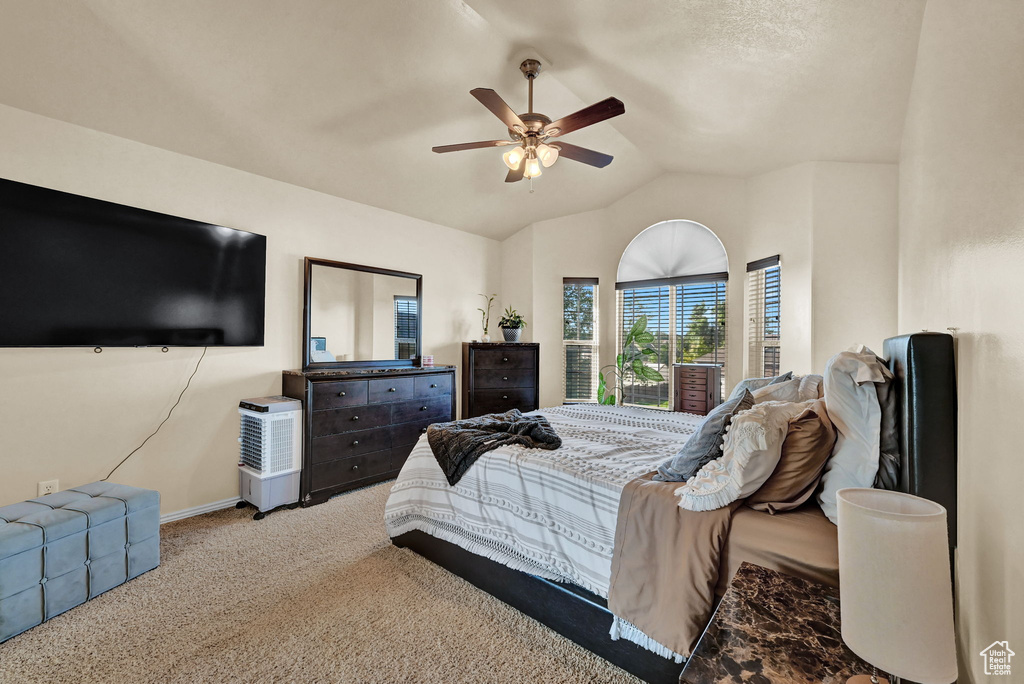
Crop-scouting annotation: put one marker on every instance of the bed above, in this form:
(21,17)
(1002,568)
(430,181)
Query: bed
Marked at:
(562,505)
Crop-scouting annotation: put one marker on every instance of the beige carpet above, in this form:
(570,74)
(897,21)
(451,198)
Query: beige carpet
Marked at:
(311,595)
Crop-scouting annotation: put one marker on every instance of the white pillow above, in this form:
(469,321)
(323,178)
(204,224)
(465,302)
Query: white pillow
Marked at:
(752,448)
(810,387)
(852,405)
(781,391)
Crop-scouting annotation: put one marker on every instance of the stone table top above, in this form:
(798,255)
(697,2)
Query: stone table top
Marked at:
(773,628)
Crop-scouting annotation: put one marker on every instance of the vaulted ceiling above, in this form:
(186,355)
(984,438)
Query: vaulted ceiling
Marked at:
(347,98)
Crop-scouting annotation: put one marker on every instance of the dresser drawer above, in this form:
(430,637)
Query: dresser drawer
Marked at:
(423,409)
(499,401)
(399,455)
(409,433)
(433,386)
(693,373)
(701,381)
(390,389)
(496,378)
(337,394)
(504,358)
(698,407)
(349,444)
(344,470)
(350,419)
(694,395)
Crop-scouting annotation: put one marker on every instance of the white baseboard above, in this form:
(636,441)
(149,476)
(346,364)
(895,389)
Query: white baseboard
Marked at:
(199,510)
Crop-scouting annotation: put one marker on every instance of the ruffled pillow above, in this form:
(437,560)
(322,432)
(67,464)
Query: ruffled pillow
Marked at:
(753,446)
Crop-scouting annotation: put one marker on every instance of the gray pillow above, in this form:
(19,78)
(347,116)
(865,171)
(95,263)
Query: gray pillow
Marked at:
(751,384)
(704,445)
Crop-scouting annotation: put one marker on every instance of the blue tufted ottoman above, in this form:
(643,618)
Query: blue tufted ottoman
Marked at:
(60,550)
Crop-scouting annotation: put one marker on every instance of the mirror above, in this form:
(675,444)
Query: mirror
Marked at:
(360,316)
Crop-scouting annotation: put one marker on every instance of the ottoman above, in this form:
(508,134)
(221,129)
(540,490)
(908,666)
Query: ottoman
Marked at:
(62,549)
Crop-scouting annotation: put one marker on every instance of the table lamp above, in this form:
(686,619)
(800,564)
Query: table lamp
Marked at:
(896,599)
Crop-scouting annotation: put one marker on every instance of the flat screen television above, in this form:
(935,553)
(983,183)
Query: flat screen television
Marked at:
(76,271)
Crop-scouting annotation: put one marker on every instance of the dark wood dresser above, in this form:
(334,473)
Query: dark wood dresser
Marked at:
(361,423)
(499,376)
(698,387)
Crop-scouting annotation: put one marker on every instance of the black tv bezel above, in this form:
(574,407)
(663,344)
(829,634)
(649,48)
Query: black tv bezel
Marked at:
(141,211)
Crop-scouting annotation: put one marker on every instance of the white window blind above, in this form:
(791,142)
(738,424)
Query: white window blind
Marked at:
(580,338)
(701,324)
(764,300)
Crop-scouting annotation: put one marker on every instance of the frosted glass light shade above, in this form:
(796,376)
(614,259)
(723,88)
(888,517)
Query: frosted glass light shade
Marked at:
(896,599)
(513,157)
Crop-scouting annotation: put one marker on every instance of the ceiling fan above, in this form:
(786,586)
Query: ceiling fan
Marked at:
(532,132)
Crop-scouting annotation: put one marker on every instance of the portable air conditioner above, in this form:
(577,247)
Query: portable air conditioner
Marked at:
(270,453)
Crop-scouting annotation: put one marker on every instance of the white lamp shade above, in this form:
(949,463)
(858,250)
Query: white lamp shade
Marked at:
(895,592)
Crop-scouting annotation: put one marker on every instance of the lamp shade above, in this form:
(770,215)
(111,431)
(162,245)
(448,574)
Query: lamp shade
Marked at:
(894,583)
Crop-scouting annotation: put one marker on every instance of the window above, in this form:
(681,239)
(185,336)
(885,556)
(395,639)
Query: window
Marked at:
(579,338)
(686,316)
(764,341)
(406,322)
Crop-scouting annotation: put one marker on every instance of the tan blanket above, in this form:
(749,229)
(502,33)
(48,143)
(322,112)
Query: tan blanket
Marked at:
(665,563)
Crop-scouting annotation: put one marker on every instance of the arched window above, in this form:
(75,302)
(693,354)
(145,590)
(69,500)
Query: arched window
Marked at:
(672,276)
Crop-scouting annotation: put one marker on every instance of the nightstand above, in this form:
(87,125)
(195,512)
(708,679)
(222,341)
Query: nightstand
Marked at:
(773,628)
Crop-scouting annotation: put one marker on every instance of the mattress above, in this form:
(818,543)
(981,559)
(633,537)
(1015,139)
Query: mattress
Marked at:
(549,513)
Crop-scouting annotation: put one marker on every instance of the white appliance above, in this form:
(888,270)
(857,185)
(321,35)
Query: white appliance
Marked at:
(270,453)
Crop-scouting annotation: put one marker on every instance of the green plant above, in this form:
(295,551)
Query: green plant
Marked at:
(485,316)
(512,319)
(638,344)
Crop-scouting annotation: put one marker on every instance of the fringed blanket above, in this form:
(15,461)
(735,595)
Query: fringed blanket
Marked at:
(457,445)
(664,567)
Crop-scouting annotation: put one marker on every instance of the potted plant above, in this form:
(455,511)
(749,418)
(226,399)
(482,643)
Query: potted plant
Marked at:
(639,343)
(485,317)
(511,325)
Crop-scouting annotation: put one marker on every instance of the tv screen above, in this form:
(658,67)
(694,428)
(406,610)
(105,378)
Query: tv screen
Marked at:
(76,271)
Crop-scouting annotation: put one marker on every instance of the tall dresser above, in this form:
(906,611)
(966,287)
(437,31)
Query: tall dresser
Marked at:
(698,387)
(361,423)
(499,376)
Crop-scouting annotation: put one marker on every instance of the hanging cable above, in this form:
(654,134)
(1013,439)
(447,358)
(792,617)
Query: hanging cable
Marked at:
(187,383)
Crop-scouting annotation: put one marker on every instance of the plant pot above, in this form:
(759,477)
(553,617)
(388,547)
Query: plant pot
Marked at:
(511,334)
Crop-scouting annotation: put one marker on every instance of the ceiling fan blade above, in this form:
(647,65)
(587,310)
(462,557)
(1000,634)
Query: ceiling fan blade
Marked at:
(595,113)
(471,146)
(516,174)
(582,154)
(490,99)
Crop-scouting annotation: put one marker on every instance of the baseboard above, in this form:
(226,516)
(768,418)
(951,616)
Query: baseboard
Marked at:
(199,510)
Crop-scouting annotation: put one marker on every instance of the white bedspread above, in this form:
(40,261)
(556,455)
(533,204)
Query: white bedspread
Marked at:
(549,513)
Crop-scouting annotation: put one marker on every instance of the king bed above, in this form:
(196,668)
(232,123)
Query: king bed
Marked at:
(537,528)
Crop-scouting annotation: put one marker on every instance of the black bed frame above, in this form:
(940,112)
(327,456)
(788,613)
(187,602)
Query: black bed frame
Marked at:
(924,367)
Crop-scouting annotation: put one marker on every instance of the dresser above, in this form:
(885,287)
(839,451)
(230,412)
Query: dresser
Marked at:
(499,376)
(698,387)
(361,423)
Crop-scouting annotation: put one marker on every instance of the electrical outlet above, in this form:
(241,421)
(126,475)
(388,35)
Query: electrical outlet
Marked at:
(48,487)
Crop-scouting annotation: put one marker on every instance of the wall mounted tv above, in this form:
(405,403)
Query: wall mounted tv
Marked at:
(76,271)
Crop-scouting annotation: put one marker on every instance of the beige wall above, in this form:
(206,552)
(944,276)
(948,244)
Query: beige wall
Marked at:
(72,414)
(961,251)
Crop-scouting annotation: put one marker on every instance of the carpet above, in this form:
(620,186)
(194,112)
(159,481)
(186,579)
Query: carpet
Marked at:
(311,595)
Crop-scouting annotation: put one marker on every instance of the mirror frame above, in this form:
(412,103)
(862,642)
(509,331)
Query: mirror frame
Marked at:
(307,289)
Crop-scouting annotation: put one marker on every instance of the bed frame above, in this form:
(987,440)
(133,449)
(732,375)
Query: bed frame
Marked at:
(924,368)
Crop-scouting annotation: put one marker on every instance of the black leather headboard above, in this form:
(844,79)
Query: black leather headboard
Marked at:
(925,371)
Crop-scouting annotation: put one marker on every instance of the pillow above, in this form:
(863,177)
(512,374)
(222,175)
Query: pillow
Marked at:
(705,444)
(853,408)
(788,390)
(808,444)
(753,446)
(811,387)
(751,384)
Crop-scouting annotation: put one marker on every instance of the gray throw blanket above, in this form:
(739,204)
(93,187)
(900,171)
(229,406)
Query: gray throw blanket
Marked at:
(457,445)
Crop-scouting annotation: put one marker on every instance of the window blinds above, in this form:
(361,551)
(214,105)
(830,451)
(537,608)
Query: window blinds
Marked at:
(701,324)
(764,299)
(580,338)
(406,321)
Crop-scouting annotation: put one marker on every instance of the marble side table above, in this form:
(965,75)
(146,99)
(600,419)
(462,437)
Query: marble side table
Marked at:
(772,628)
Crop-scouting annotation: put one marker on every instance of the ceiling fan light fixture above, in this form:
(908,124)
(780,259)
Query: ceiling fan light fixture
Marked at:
(548,154)
(513,157)
(532,168)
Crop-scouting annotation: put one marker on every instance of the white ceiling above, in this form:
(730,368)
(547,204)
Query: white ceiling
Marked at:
(348,97)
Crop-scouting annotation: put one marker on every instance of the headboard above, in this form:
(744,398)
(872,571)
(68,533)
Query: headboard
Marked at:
(925,371)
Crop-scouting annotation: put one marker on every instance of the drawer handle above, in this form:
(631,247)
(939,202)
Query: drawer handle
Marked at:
(434,386)
(341,394)
(355,467)
(423,429)
(423,408)
(505,397)
(355,443)
(355,417)
(391,389)
(505,360)
(505,378)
